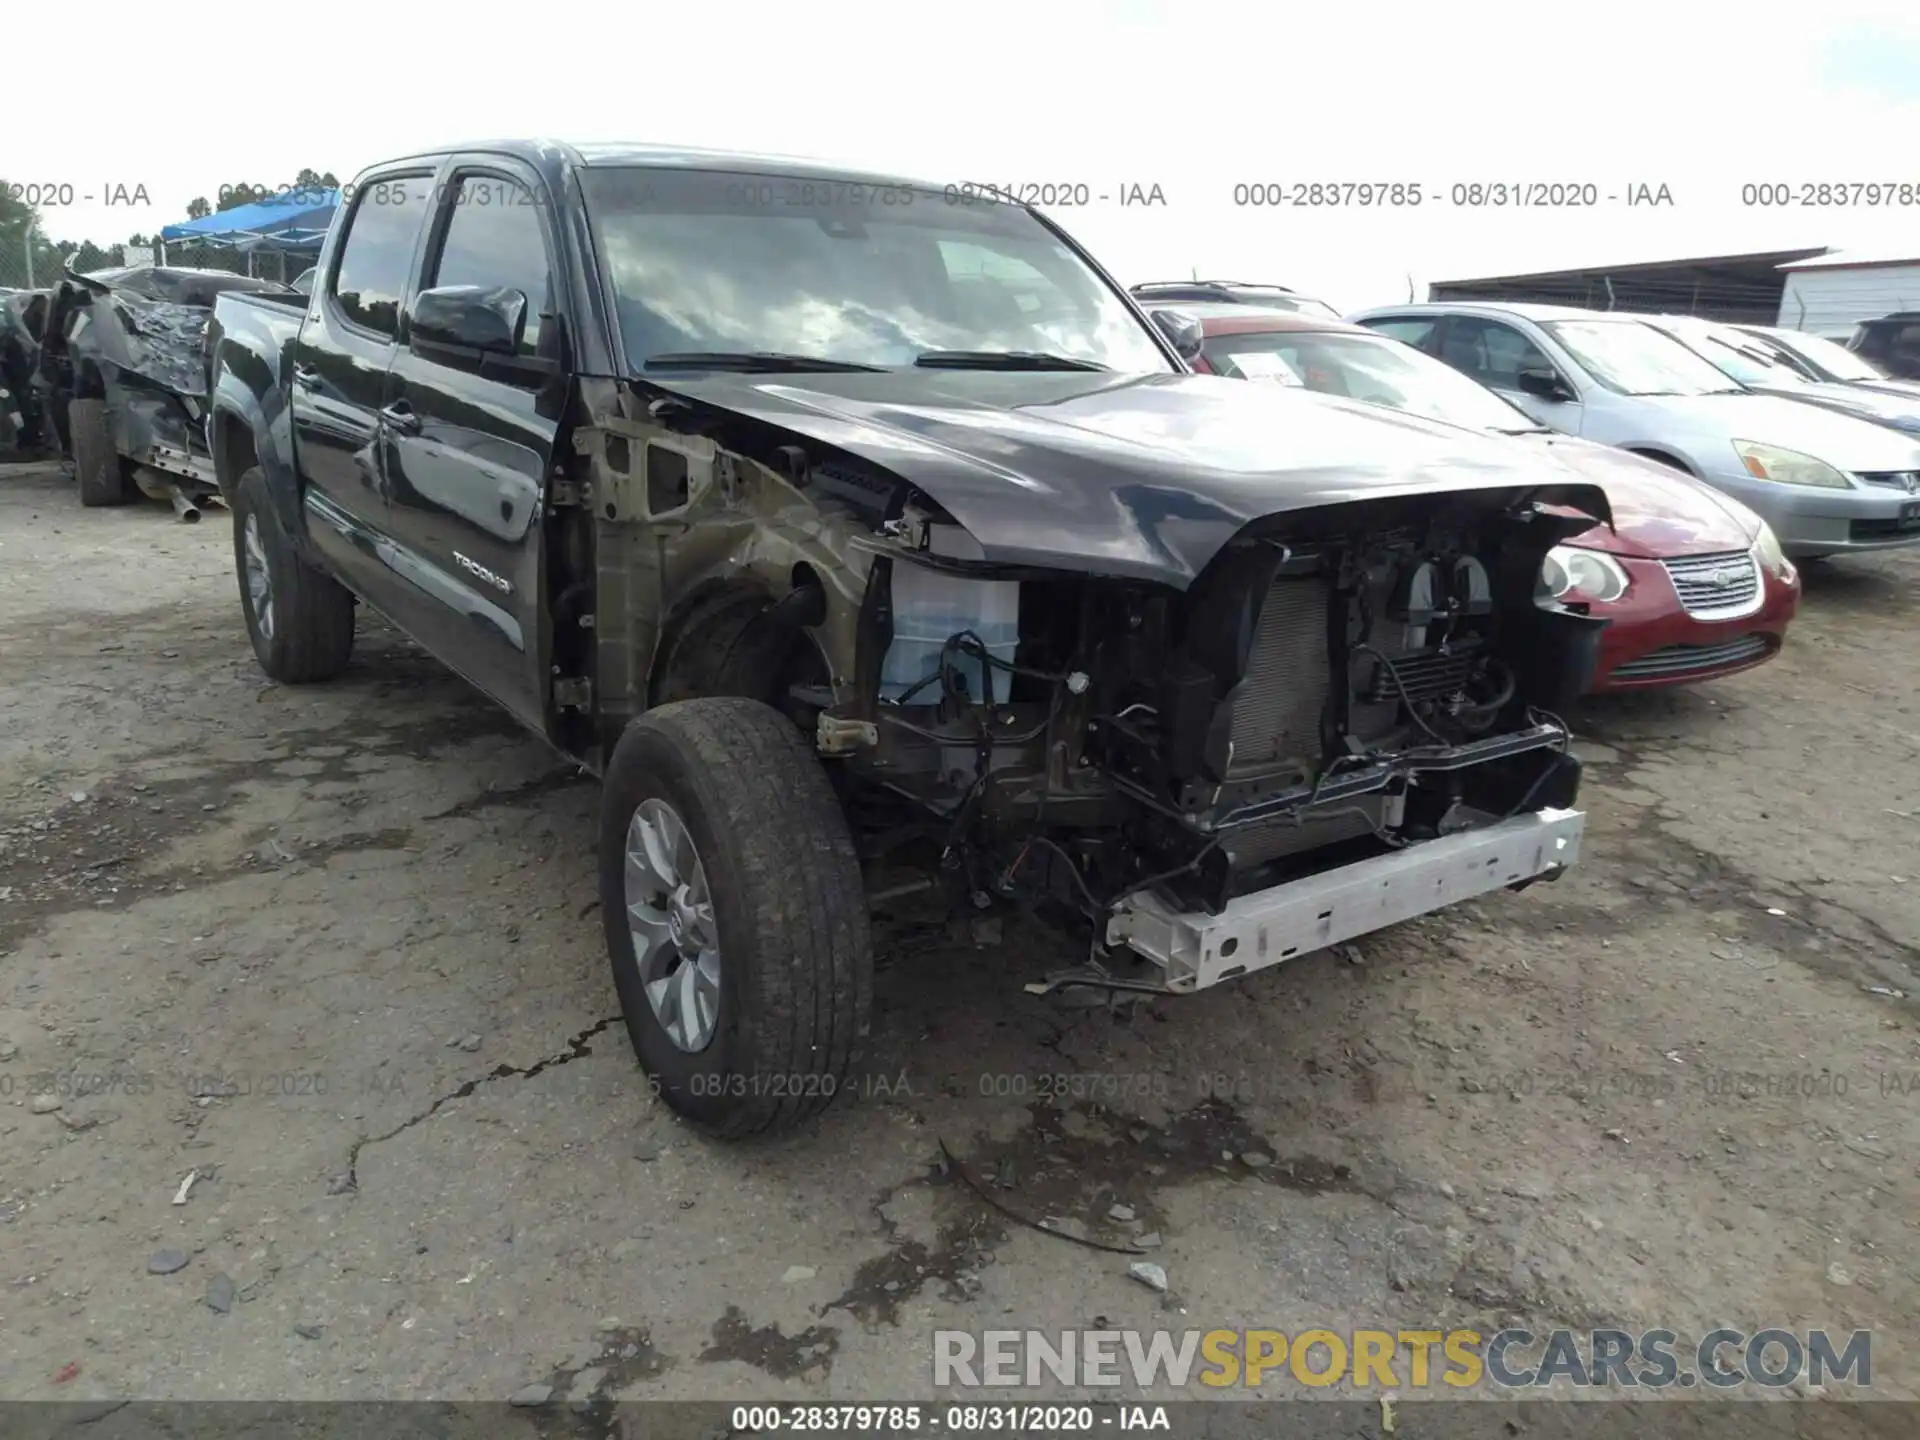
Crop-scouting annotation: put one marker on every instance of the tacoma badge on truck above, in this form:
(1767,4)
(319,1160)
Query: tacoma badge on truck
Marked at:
(473,567)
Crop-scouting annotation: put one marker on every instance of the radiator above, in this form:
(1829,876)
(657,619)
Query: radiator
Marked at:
(1276,717)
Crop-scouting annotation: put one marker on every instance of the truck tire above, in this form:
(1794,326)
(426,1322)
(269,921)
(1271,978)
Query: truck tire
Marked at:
(735,914)
(300,621)
(104,479)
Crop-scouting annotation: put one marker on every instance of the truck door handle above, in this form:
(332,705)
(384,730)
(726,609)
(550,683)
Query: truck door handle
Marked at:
(306,376)
(401,417)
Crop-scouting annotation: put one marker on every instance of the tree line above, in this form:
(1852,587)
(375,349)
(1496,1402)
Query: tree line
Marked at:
(26,252)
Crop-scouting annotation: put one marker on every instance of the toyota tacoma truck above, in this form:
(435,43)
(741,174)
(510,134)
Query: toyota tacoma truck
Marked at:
(845,524)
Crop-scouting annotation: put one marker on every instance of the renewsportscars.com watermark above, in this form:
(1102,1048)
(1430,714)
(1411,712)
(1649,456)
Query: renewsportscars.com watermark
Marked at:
(1400,1359)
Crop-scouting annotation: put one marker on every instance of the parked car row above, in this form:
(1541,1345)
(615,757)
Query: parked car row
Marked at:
(1827,483)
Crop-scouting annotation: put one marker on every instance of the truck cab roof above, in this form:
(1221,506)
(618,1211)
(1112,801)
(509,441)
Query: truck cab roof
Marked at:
(553,156)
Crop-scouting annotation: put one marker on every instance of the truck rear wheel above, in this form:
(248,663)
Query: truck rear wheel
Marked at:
(300,621)
(736,915)
(104,478)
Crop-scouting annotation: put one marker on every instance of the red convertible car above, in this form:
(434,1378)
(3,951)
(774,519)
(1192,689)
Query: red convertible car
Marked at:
(1694,582)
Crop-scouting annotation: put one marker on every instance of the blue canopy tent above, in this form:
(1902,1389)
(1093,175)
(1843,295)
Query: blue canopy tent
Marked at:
(291,223)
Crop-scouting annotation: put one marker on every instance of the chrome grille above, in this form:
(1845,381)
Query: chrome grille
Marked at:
(1675,661)
(1907,480)
(1277,713)
(1716,587)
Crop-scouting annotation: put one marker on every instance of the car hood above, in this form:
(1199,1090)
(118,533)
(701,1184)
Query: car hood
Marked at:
(1138,475)
(1657,510)
(1875,405)
(1903,389)
(1840,440)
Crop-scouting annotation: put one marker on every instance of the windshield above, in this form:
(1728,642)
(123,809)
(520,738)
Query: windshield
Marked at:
(1636,359)
(866,274)
(1364,367)
(1831,356)
(1731,353)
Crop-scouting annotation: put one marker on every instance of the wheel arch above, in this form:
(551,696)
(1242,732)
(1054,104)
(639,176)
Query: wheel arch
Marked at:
(1661,456)
(726,636)
(238,438)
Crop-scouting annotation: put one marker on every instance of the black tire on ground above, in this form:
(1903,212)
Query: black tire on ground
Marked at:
(789,904)
(103,476)
(306,633)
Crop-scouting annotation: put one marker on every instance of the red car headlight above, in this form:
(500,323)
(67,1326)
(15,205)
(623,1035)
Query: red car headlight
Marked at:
(1773,560)
(1593,573)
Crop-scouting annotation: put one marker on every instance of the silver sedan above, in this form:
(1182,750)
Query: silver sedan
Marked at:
(1827,483)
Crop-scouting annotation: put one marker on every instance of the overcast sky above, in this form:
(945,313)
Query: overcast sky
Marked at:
(1195,97)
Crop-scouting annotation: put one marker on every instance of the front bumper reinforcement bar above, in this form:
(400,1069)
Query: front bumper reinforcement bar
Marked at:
(1296,918)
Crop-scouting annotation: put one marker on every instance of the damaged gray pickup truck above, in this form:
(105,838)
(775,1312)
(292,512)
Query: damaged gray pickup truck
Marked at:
(840,523)
(121,369)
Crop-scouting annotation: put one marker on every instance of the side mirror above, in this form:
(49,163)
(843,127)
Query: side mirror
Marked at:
(1544,384)
(1182,331)
(475,317)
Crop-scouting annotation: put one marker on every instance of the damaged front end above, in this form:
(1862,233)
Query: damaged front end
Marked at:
(1344,684)
(145,357)
(1345,720)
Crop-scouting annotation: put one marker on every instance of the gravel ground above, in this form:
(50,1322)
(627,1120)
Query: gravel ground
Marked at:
(332,953)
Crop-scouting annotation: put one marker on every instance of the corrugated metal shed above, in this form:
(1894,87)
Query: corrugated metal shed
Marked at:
(1738,288)
(1830,294)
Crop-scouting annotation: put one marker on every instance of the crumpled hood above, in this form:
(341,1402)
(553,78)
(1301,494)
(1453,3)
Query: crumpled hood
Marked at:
(1141,475)
(160,341)
(1840,440)
(1657,510)
(166,343)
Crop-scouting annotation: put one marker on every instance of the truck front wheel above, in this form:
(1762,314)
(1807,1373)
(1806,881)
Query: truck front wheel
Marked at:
(103,476)
(735,914)
(300,621)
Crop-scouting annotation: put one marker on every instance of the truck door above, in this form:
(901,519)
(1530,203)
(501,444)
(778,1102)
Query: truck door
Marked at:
(338,375)
(476,412)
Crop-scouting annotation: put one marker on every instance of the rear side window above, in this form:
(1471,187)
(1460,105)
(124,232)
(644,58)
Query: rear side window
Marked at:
(1411,332)
(494,239)
(371,279)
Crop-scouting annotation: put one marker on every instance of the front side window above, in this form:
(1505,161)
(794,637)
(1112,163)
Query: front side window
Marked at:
(863,274)
(494,238)
(376,257)
(1492,353)
(1636,359)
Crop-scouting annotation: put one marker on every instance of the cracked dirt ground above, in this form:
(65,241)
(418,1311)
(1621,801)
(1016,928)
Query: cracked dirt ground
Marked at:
(333,950)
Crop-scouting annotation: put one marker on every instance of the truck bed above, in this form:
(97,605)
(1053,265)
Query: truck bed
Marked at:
(249,334)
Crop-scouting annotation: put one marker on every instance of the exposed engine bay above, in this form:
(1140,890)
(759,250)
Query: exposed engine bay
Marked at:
(1359,680)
